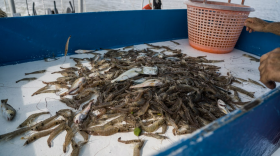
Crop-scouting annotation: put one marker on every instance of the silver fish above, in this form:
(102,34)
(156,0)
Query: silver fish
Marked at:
(223,107)
(75,86)
(138,81)
(148,83)
(159,55)
(173,58)
(128,74)
(79,51)
(7,110)
(83,114)
(149,70)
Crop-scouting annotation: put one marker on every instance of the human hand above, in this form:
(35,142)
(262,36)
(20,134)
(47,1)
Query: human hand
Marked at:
(255,24)
(270,68)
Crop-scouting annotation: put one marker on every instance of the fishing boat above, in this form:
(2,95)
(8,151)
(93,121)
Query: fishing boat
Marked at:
(251,130)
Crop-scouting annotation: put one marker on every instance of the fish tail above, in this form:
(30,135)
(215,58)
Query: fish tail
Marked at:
(26,73)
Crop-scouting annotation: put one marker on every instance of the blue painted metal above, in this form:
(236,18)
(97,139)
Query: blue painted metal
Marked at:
(251,131)
(33,38)
(257,43)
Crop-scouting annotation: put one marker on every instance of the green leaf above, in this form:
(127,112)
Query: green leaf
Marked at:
(137,131)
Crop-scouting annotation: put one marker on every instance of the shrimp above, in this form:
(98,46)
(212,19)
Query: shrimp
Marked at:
(41,89)
(185,129)
(106,132)
(15,133)
(38,135)
(251,94)
(163,106)
(42,123)
(50,124)
(128,141)
(155,126)
(84,135)
(99,128)
(255,82)
(202,121)
(143,109)
(56,131)
(107,116)
(164,128)
(70,134)
(137,103)
(236,96)
(137,148)
(157,136)
(76,147)
(70,103)
(31,118)
(175,42)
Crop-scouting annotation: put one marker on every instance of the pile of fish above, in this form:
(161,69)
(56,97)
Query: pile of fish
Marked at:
(135,90)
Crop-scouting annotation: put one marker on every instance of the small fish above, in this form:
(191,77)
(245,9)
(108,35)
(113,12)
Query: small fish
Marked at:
(83,51)
(83,114)
(149,70)
(128,74)
(36,72)
(75,86)
(148,83)
(173,58)
(7,110)
(175,42)
(27,79)
(138,81)
(255,82)
(252,58)
(223,107)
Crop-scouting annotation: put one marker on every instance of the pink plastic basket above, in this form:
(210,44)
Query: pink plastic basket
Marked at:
(215,26)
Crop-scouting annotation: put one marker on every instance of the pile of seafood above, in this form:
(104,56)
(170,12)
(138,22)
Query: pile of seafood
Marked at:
(136,91)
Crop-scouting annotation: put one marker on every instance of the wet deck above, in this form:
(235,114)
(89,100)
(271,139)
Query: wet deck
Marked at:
(19,95)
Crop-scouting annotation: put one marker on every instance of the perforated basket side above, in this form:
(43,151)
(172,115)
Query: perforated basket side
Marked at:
(214,30)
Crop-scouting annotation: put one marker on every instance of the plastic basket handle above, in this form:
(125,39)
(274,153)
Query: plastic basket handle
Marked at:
(229,1)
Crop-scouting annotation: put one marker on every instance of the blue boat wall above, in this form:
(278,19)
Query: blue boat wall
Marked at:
(257,43)
(253,130)
(35,37)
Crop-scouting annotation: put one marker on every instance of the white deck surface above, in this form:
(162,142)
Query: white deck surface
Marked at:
(19,95)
